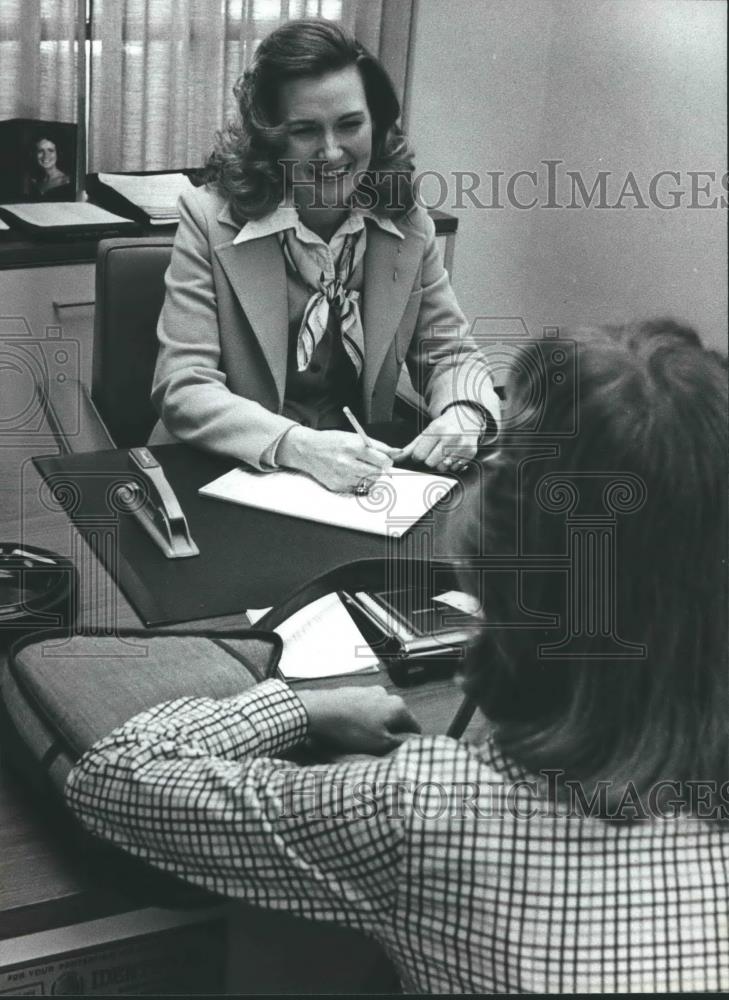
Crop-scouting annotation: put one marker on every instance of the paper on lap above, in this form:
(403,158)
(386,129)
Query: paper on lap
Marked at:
(321,640)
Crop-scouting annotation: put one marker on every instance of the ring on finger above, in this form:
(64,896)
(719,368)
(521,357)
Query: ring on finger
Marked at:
(362,489)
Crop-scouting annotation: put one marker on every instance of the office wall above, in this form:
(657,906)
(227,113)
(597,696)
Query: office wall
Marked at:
(601,85)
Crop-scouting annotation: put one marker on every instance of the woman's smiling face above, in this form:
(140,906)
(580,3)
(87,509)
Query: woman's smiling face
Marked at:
(45,154)
(329,137)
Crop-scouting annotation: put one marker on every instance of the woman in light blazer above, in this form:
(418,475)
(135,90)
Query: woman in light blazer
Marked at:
(304,275)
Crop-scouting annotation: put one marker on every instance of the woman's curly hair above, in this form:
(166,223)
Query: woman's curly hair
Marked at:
(244,164)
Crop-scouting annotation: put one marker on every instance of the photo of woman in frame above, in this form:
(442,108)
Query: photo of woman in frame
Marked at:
(50,165)
(37,160)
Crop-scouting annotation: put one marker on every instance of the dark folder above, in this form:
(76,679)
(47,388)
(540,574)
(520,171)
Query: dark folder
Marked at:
(248,557)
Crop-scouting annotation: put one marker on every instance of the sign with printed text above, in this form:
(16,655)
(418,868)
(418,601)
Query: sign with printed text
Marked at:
(181,960)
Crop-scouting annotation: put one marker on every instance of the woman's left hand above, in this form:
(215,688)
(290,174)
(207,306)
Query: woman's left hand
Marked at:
(448,442)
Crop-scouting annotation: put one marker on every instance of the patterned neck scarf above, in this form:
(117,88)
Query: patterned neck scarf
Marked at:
(329,297)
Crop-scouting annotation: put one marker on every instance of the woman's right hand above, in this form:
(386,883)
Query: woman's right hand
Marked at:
(339,460)
(358,719)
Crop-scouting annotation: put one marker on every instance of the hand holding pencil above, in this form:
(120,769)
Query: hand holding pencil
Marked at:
(341,461)
(362,488)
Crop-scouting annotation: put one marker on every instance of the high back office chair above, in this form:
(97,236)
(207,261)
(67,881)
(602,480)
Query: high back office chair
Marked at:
(117,412)
(129,295)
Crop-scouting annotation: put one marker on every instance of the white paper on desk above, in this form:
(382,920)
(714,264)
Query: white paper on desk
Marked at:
(157,194)
(63,213)
(395,502)
(321,640)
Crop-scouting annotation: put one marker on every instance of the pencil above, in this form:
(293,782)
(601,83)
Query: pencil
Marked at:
(357,427)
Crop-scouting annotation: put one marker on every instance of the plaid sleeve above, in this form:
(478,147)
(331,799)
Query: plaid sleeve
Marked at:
(189,787)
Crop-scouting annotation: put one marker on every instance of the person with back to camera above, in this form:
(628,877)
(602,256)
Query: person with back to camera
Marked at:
(304,275)
(478,866)
(47,180)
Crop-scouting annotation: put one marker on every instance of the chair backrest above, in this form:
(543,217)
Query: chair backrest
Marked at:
(129,295)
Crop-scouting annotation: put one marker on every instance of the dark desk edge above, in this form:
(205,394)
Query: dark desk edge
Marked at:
(17,252)
(78,906)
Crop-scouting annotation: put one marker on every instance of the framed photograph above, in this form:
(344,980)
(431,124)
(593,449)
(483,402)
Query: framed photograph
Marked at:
(37,160)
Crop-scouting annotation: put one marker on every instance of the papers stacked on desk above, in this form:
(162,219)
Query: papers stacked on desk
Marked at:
(395,502)
(155,194)
(66,218)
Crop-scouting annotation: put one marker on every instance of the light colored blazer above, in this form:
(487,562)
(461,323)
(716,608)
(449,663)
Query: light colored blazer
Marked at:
(223,332)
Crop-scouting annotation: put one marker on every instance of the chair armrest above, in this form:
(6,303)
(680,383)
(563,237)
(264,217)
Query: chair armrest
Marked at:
(74,420)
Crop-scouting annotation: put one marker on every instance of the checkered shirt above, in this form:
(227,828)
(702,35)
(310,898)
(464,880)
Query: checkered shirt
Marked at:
(436,851)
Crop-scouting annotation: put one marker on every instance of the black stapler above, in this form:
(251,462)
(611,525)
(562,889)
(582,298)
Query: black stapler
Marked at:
(154,504)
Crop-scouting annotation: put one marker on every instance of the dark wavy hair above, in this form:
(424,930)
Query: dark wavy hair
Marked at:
(644,404)
(245,162)
(36,171)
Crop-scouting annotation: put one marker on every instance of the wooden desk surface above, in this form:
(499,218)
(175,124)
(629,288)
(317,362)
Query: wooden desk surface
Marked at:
(42,884)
